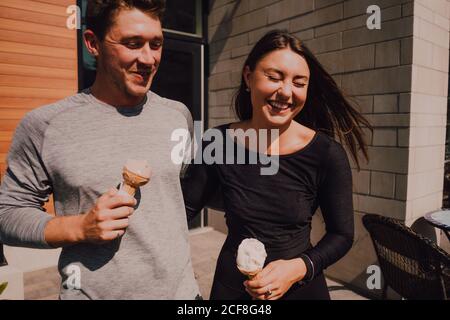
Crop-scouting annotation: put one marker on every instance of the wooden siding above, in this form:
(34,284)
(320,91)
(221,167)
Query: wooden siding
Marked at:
(38,61)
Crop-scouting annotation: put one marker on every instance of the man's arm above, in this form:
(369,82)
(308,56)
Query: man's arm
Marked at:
(106,221)
(27,186)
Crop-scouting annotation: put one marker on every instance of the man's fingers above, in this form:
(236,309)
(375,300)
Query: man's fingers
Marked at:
(111,192)
(108,194)
(115,224)
(117,200)
(120,213)
(111,235)
(114,214)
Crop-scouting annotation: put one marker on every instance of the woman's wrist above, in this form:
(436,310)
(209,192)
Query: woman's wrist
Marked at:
(300,269)
(309,274)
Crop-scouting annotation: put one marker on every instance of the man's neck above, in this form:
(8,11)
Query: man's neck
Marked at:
(108,94)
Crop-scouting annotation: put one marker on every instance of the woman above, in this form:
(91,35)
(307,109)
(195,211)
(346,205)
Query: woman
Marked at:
(283,87)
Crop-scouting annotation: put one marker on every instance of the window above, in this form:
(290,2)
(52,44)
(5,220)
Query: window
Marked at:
(184,16)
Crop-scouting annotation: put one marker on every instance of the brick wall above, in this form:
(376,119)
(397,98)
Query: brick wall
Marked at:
(428,107)
(397,76)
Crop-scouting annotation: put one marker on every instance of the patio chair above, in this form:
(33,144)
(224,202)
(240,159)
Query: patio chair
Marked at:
(412,265)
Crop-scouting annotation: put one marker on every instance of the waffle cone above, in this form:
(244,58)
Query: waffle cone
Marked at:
(132,181)
(129,189)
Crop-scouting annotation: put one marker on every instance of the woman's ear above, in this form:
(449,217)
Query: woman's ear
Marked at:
(246,73)
(91,42)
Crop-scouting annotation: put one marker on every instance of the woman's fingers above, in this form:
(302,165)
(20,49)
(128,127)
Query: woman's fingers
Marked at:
(268,295)
(265,272)
(254,296)
(267,290)
(274,297)
(260,282)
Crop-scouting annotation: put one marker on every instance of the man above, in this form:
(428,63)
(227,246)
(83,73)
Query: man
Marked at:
(114,246)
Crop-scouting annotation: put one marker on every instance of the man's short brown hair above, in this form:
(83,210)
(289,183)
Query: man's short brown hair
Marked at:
(101,13)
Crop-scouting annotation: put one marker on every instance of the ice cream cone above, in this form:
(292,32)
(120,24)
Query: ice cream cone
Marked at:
(250,257)
(133,180)
(250,274)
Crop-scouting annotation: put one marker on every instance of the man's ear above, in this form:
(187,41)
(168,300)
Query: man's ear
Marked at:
(91,42)
(246,73)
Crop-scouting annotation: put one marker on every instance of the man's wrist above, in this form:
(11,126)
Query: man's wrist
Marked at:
(67,230)
(76,229)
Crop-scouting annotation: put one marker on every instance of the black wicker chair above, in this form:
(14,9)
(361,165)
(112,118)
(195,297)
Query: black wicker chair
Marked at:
(413,266)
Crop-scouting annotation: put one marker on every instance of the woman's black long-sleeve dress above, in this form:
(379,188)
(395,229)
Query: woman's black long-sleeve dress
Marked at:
(277,209)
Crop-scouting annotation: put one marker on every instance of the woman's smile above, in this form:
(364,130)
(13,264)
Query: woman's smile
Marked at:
(280,107)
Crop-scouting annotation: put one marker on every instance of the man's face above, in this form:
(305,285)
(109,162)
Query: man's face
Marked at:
(130,54)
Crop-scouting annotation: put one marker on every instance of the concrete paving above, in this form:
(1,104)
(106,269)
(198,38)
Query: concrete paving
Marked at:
(205,246)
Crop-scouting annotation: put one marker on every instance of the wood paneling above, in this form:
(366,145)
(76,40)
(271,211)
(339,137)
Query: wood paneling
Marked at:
(34,82)
(31,27)
(38,62)
(37,39)
(37,6)
(22,48)
(32,71)
(30,60)
(23,103)
(4,146)
(8,125)
(12,114)
(36,17)
(5,136)
(39,93)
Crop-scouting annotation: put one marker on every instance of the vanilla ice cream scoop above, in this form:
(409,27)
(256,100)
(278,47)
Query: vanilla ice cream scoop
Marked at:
(135,173)
(251,257)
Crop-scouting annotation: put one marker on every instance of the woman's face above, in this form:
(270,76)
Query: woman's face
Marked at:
(278,87)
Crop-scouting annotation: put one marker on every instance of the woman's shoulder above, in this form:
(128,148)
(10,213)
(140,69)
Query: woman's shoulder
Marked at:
(325,149)
(332,152)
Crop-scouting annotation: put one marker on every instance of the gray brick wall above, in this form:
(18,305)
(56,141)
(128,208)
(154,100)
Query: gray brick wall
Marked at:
(428,107)
(397,76)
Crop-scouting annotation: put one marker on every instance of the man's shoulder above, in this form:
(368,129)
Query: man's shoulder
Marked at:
(42,116)
(169,104)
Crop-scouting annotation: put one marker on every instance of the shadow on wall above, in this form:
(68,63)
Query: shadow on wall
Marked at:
(222,32)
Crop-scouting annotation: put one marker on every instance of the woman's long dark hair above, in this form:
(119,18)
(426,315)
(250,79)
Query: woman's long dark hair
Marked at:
(326,109)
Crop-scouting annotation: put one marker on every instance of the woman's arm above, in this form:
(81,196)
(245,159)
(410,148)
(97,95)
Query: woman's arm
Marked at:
(335,200)
(336,203)
(200,184)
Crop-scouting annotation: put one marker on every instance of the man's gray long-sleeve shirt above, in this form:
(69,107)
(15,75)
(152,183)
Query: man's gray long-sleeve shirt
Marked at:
(76,149)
